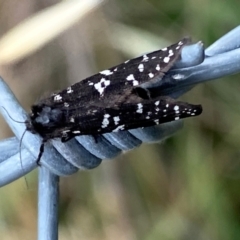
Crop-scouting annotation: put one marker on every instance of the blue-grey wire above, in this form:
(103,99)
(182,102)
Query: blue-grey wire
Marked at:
(48,189)
(221,59)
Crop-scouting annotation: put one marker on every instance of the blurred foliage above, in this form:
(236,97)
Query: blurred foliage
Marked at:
(185,188)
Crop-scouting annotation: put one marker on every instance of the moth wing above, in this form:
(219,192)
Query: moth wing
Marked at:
(127,116)
(142,71)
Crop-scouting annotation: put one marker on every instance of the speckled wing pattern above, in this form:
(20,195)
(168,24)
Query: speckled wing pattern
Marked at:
(112,100)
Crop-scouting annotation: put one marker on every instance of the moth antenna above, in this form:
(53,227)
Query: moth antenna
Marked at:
(41,150)
(10,116)
(20,144)
(20,151)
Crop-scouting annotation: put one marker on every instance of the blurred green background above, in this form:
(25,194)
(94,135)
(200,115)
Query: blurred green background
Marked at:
(185,188)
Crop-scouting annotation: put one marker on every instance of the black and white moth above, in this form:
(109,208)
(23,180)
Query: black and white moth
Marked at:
(112,100)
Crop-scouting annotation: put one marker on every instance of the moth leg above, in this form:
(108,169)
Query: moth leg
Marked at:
(95,136)
(41,150)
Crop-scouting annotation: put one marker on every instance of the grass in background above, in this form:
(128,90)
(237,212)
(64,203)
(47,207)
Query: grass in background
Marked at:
(185,188)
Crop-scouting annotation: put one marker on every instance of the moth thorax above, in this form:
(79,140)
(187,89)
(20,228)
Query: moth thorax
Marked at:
(45,115)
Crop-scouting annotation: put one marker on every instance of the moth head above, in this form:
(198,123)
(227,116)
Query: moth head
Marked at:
(43,117)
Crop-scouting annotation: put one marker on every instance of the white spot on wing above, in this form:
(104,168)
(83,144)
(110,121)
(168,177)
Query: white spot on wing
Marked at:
(145,58)
(166,59)
(57,98)
(140,108)
(158,67)
(65,131)
(66,104)
(176,108)
(105,121)
(100,86)
(151,75)
(116,120)
(69,89)
(141,67)
(170,53)
(131,78)
(76,132)
(119,128)
(106,72)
